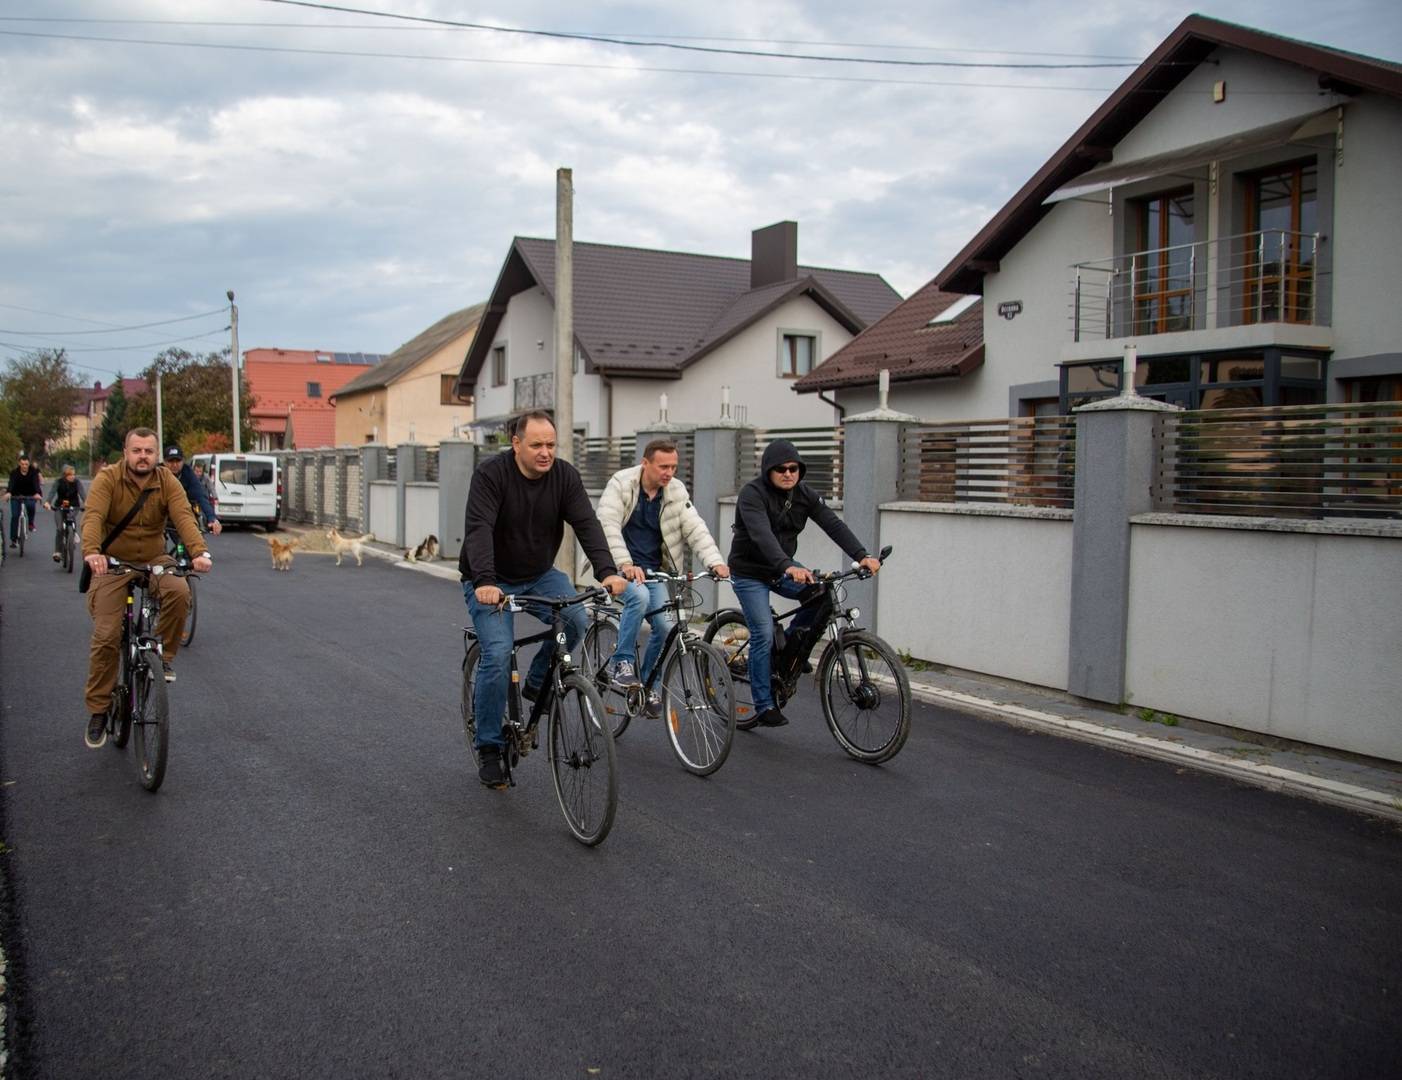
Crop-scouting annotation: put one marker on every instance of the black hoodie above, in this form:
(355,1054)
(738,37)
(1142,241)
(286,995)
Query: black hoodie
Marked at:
(768,520)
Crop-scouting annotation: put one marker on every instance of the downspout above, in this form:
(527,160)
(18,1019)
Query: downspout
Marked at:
(841,412)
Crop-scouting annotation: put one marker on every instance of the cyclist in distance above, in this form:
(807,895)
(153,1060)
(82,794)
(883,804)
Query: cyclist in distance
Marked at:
(111,497)
(517,507)
(194,488)
(649,522)
(26,488)
(771,511)
(67,491)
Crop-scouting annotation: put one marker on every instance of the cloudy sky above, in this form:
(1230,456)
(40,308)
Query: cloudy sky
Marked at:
(354,177)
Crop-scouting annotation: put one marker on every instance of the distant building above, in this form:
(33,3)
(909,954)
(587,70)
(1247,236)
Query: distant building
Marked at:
(292,390)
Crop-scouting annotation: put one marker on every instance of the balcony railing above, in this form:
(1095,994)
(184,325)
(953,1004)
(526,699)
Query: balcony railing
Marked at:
(1271,276)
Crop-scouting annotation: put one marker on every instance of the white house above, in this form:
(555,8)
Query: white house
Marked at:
(652,322)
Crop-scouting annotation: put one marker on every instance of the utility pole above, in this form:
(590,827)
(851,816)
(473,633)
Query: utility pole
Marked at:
(234,331)
(160,424)
(564,340)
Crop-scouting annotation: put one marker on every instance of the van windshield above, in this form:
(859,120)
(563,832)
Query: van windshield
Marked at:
(246,472)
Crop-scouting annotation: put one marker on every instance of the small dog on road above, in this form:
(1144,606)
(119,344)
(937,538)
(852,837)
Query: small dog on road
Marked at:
(281,552)
(348,545)
(425,552)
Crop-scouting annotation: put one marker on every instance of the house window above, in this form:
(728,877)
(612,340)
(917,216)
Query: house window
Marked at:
(1282,215)
(796,354)
(448,392)
(313,389)
(1373,388)
(1162,269)
(1225,380)
(499,365)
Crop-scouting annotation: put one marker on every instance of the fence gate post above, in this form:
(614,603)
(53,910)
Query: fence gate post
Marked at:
(1115,463)
(374,465)
(456,461)
(871,475)
(340,474)
(715,468)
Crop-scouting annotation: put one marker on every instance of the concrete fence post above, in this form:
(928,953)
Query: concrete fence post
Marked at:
(871,475)
(342,457)
(456,462)
(408,469)
(318,486)
(374,465)
(715,476)
(1114,481)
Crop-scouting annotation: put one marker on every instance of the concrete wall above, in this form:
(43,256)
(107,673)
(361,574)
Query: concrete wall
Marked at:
(1290,634)
(420,512)
(383,519)
(996,597)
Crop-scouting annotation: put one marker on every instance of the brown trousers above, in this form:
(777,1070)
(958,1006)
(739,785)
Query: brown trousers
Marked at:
(107,600)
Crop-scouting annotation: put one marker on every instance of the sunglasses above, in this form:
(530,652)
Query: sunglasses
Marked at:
(785,468)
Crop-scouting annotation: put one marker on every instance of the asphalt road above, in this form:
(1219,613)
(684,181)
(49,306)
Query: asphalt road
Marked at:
(322,889)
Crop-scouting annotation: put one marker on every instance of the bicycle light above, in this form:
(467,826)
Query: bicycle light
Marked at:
(854,613)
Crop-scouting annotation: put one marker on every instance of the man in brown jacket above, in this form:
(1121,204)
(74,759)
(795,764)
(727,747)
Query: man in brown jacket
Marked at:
(113,493)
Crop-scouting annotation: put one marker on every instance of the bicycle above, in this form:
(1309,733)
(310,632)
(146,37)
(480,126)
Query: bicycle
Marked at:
(698,695)
(858,672)
(176,550)
(140,703)
(68,536)
(583,762)
(23,507)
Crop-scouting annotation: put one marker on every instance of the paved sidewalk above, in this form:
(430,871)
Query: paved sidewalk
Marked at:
(1338,779)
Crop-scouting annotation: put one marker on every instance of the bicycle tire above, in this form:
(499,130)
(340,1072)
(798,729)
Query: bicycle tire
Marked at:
(850,711)
(23,530)
(187,633)
(119,717)
(600,643)
(150,719)
(729,633)
(67,550)
(698,705)
(581,747)
(469,688)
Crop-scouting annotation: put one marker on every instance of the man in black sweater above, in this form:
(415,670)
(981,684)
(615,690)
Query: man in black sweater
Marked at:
(517,507)
(771,511)
(26,488)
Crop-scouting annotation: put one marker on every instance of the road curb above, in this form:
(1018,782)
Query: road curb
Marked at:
(1258,774)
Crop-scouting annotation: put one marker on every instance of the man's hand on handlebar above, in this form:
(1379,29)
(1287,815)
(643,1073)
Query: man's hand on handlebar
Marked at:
(870,564)
(634,572)
(800,574)
(615,584)
(216,527)
(96,563)
(720,570)
(488,595)
(202,565)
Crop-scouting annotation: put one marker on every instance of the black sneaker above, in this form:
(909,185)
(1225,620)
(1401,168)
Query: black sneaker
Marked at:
(624,676)
(772,718)
(490,772)
(653,709)
(96,735)
(57,557)
(169,671)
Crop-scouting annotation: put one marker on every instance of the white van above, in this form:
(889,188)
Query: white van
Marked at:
(246,489)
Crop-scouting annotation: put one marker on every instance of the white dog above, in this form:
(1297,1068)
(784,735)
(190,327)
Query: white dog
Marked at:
(348,545)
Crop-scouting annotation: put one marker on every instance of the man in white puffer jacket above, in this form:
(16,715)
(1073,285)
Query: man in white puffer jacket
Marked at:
(649,523)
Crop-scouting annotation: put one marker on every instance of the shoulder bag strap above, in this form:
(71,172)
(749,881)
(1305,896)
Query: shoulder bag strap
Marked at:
(135,509)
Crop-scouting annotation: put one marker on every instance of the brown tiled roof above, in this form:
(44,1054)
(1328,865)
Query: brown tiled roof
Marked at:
(643,312)
(1188,46)
(905,344)
(416,349)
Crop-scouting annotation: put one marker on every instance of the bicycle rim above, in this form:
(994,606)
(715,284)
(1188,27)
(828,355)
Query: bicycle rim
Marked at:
(469,688)
(150,720)
(698,707)
(867,709)
(583,762)
(731,636)
(600,643)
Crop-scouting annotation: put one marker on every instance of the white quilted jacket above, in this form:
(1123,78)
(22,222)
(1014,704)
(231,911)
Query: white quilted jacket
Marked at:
(682,525)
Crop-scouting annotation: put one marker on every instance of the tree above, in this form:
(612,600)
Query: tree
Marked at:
(114,422)
(9,437)
(41,392)
(196,393)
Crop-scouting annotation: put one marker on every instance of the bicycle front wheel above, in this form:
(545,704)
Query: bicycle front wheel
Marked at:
(729,634)
(698,705)
(119,717)
(23,529)
(150,719)
(866,697)
(583,761)
(599,645)
(68,551)
(187,634)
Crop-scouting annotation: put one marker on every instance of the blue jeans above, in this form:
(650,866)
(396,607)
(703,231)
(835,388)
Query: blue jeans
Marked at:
(21,504)
(753,595)
(495,633)
(638,600)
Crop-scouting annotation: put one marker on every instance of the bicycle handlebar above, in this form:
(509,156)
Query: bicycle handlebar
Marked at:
(686,579)
(555,602)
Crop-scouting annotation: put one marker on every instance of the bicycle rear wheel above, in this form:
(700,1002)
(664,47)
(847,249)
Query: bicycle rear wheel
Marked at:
(698,705)
(469,688)
(600,643)
(867,705)
(150,718)
(23,529)
(728,633)
(187,634)
(583,761)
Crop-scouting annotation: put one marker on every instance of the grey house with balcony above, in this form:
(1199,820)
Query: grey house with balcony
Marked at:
(1233,211)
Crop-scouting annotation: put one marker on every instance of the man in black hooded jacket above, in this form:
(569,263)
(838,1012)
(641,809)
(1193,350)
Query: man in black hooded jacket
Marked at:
(771,511)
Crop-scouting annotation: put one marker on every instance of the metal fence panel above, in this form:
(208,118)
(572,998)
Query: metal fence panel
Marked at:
(353,509)
(598,459)
(1021,461)
(820,448)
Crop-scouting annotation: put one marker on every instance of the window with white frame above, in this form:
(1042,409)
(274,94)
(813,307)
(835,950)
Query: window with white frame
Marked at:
(796,352)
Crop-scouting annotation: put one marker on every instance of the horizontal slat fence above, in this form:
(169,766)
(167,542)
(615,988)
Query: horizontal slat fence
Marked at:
(1021,461)
(1299,461)
(820,448)
(598,459)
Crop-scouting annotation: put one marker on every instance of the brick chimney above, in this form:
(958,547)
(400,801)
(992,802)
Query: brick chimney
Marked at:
(774,254)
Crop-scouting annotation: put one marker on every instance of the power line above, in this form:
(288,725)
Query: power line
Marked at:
(109,329)
(711,49)
(498,61)
(118,348)
(584,34)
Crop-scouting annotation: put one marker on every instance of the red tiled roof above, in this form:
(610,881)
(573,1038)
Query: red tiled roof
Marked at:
(905,344)
(276,385)
(313,428)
